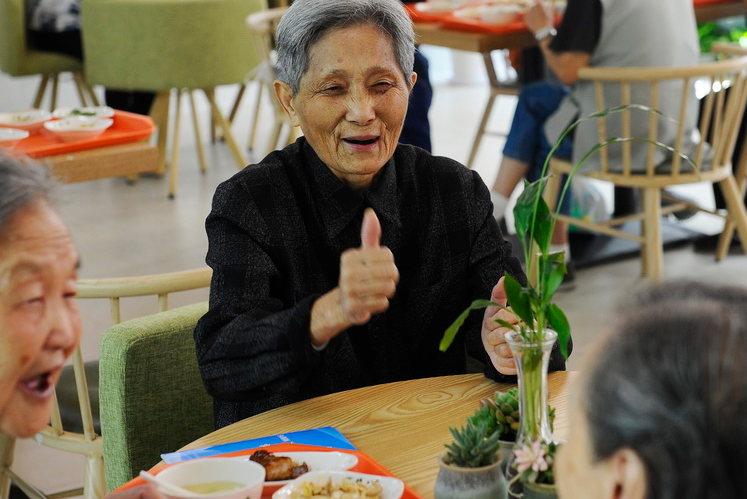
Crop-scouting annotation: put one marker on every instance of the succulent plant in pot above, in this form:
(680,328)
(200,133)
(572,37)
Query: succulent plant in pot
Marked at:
(470,468)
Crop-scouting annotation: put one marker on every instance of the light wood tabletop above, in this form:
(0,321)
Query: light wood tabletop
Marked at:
(402,425)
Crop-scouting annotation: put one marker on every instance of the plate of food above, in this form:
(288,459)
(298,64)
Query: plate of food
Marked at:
(9,137)
(284,467)
(94,111)
(31,120)
(77,128)
(328,484)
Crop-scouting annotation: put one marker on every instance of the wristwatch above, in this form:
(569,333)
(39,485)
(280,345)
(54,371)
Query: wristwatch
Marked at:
(543,33)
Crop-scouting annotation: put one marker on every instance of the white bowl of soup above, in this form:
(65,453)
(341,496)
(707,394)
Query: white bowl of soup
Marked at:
(216,478)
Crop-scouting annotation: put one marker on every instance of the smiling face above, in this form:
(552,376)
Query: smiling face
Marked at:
(39,320)
(351,103)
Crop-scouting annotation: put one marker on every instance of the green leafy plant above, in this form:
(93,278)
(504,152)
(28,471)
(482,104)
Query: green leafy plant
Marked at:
(473,446)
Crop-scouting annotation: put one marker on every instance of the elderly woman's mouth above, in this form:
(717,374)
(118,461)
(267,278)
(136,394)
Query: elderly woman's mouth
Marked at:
(39,386)
(361,142)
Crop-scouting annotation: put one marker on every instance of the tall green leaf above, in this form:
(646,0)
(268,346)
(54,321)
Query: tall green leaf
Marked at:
(452,330)
(559,323)
(518,298)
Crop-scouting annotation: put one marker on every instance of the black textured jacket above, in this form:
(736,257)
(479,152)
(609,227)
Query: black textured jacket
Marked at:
(276,233)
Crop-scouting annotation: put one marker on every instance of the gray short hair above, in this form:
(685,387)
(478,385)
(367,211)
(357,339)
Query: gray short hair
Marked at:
(671,385)
(307,21)
(22,183)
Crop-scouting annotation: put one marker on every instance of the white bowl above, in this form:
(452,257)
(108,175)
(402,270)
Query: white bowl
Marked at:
(500,13)
(97,111)
(208,470)
(30,120)
(317,461)
(77,128)
(9,137)
(392,488)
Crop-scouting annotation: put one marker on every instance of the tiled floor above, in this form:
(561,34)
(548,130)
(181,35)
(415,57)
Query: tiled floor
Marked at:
(126,230)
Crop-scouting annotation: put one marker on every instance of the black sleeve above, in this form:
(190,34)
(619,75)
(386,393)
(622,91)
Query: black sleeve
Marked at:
(580,28)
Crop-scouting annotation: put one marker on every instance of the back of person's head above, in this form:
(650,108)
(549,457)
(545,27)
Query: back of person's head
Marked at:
(307,21)
(22,183)
(671,385)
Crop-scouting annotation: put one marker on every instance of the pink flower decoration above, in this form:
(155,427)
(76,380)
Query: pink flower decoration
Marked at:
(531,457)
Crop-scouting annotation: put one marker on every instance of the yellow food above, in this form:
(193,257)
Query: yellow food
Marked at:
(347,488)
(213,487)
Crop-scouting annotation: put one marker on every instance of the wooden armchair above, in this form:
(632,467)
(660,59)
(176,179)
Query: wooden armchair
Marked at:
(89,442)
(719,123)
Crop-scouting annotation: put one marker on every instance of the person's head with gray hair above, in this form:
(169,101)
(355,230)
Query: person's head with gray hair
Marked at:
(345,77)
(307,21)
(39,320)
(660,413)
(22,182)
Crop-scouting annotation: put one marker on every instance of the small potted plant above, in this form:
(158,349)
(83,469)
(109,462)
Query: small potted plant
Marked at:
(534,468)
(470,468)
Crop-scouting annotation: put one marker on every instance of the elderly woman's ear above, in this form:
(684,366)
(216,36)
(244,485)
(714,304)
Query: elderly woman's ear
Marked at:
(285,97)
(626,476)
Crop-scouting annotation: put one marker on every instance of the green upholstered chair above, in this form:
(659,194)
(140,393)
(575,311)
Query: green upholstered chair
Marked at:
(152,397)
(18,59)
(165,45)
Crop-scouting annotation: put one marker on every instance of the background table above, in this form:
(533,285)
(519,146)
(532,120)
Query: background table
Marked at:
(403,425)
(485,43)
(103,162)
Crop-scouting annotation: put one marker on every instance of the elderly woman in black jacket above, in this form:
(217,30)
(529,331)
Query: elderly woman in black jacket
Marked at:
(340,260)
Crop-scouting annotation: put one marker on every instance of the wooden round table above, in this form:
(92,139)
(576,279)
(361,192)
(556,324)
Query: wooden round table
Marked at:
(402,425)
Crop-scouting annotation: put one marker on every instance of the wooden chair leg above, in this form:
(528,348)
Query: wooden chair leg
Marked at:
(7,447)
(736,208)
(481,128)
(40,91)
(241,161)
(159,112)
(55,84)
(175,147)
(652,243)
(94,486)
(253,125)
(198,137)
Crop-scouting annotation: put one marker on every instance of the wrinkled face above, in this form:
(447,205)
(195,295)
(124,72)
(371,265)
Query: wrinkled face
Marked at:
(39,320)
(351,103)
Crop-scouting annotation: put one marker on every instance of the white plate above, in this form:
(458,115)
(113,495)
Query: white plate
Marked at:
(30,120)
(435,7)
(392,487)
(76,128)
(12,136)
(97,111)
(317,461)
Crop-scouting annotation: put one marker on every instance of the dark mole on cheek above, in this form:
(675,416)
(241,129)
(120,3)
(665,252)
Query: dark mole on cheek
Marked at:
(25,359)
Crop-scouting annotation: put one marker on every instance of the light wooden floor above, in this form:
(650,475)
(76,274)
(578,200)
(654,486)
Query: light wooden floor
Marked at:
(126,230)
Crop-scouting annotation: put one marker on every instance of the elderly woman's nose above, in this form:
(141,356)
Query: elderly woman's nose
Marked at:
(360,108)
(64,326)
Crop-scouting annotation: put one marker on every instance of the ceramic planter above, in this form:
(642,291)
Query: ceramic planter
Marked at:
(454,482)
(539,491)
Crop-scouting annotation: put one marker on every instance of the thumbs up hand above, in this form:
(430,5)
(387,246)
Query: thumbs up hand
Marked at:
(493,334)
(368,275)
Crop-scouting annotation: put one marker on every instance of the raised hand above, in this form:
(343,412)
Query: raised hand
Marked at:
(493,334)
(368,275)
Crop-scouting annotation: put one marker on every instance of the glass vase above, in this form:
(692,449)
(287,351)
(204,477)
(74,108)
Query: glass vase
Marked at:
(532,360)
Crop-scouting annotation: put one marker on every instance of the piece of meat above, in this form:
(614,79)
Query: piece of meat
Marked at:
(278,467)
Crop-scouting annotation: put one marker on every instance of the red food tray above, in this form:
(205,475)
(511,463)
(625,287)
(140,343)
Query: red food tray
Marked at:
(366,464)
(707,2)
(451,21)
(418,16)
(127,127)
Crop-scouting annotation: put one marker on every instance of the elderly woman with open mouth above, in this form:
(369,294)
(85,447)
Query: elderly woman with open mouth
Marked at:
(340,260)
(40,324)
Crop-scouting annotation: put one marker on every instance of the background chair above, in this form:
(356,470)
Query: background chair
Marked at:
(152,396)
(18,59)
(719,121)
(262,26)
(179,45)
(74,424)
